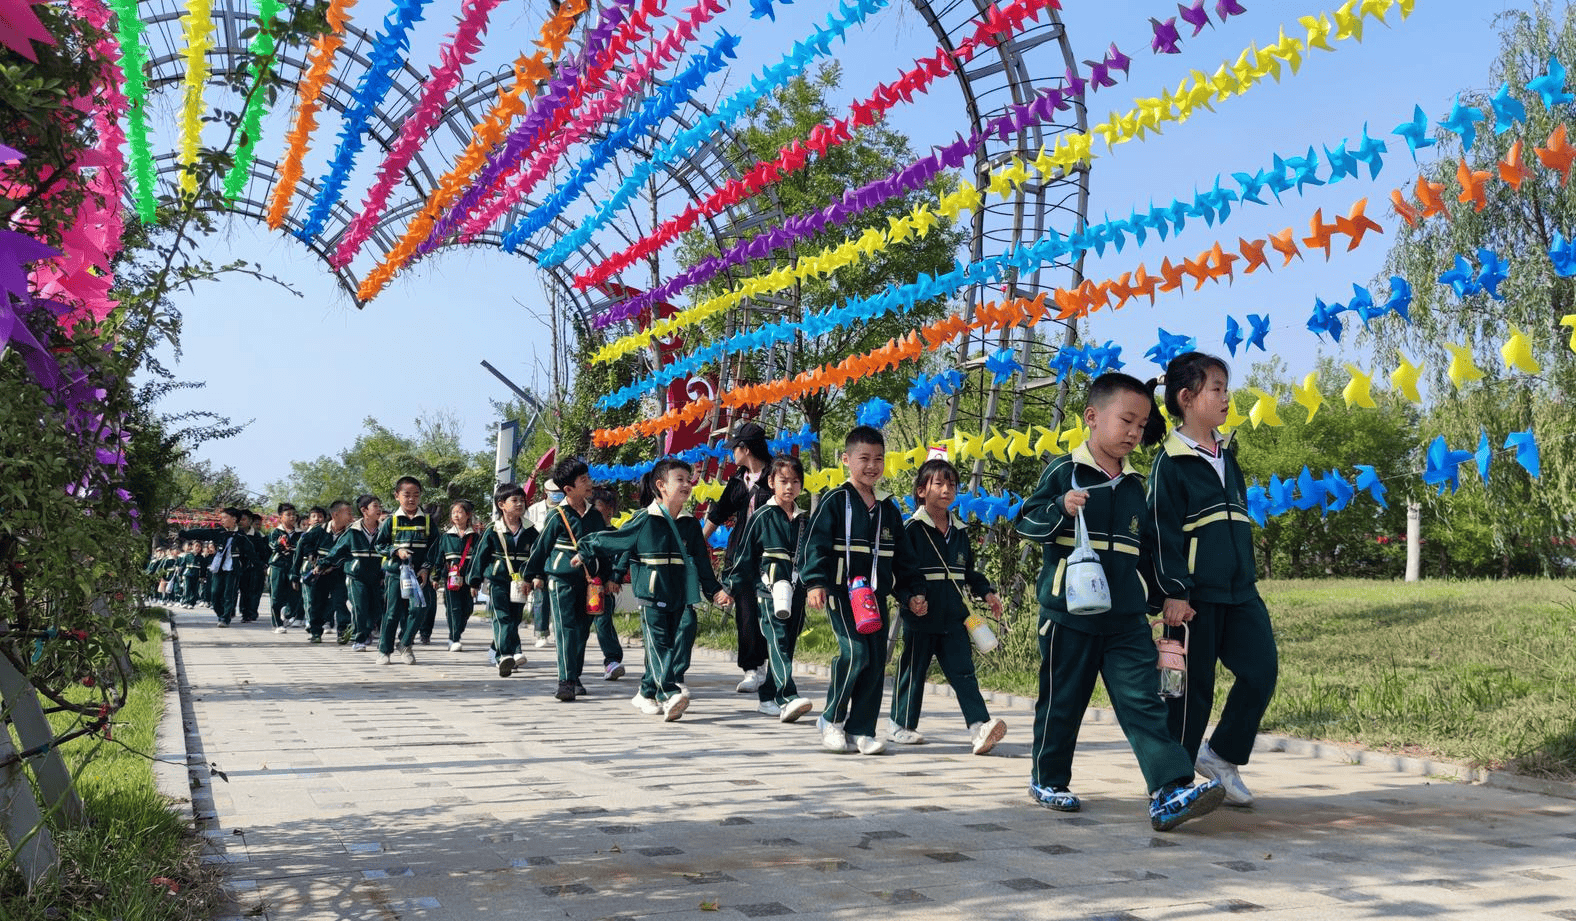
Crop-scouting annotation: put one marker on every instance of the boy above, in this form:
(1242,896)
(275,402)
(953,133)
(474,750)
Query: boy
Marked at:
(234,552)
(670,567)
(300,562)
(406,538)
(501,557)
(606,631)
(541,617)
(191,582)
(1117,645)
(854,535)
(356,553)
(284,592)
(941,559)
(254,575)
(558,568)
(326,579)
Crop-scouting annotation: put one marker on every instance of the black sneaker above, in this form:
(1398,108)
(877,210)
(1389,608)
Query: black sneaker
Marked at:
(580,690)
(566,691)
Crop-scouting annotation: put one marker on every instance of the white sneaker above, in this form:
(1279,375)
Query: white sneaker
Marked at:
(612,671)
(456,646)
(870,745)
(796,708)
(674,707)
(646,705)
(1215,767)
(835,740)
(408,655)
(541,642)
(902,735)
(984,736)
(752,681)
(280,630)
(358,647)
(769,707)
(381,659)
(505,666)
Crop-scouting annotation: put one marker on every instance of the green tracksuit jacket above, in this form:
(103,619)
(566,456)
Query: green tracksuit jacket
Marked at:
(768,551)
(417,534)
(656,556)
(314,544)
(1117,517)
(1197,518)
(933,560)
(281,548)
(492,555)
(831,532)
(356,553)
(554,549)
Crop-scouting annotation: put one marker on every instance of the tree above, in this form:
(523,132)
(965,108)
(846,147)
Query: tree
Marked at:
(435,455)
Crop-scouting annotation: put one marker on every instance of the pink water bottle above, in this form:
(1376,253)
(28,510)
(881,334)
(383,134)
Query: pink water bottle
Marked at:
(862,598)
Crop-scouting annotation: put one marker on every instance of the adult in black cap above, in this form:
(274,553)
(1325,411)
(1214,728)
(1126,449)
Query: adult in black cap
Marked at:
(746,491)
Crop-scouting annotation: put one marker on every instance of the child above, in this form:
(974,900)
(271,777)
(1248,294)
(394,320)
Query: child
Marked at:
(325,572)
(558,568)
(541,614)
(407,538)
(745,492)
(205,559)
(670,567)
(602,625)
(284,595)
(356,552)
(768,553)
(502,556)
(429,611)
(854,534)
(455,551)
(941,559)
(191,581)
(233,554)
(254,575)
(1117,645)
(1196,500)
(315,542)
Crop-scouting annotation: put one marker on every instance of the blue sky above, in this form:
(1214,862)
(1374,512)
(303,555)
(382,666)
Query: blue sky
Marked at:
(309,369)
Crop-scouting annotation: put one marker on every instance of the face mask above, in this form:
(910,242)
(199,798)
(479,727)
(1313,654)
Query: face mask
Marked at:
(555,497)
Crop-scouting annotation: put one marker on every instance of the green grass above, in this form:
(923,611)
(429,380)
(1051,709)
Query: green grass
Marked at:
(1477,672)
(133,837)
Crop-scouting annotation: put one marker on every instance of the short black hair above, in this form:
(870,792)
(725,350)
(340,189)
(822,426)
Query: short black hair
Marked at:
(366,499)
(785,462)
(667,465)
(505,491)
(1111,383)
(336,505)
(1189,371)
(566,471)
(285,507)
(936,466)
(400,483)
(605,496)
(232,511)
(863,435)
(317,510)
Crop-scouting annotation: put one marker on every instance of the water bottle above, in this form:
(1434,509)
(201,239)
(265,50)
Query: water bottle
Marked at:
(980,633)
(407,582)
(862,599)
(1172,662)
(782,599)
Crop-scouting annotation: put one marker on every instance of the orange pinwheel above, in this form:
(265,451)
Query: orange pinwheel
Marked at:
(1356,224)
(1220,263)
(1285,243)
(1319,233)
(1172,275)
(1511,169)
(1197,269)
(1429,195)
(1404,208)
(1254,254)
(1472,185)
(1557,154)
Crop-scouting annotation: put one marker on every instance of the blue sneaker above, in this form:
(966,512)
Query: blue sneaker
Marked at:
(1059,798)
(1177,804)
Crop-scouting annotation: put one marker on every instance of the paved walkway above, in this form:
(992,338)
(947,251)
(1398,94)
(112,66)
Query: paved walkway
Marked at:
(441,791)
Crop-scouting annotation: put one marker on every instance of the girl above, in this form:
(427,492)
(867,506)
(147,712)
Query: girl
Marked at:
(745,492)
(500,559)
(1197,502)
(768,554)
(456,547)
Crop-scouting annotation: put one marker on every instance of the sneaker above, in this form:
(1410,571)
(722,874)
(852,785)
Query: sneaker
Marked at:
(456,646)
(769,707)
(646,705)
(1215,767)
(541,642)
(752,681)
(345,636)
(984,736)
(425,640)
(315,639)
(903,735)
(613,671)
(354,647)
(565,692)
(408,655)
(796,708)
(580,690)
(674,707)
(505,666)
(1059,798)
(492,658)
(382,659)
(280,630)
(834,739)
(869,745)
(224,623)
(1177,803)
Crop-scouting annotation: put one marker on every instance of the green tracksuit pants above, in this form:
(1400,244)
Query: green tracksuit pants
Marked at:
(782,638)
(1239,637)
(401,618)
(250,593)
(955,653)
(328,602)
(458,603)
(1070,660)
(506,617)
(429,614)
(366,608)
(858,674)
(669,636)
(226,594)
(192,590)
(284,598)
(566,603)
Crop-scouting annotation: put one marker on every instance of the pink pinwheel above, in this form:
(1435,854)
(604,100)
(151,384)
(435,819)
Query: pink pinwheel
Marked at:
(19,28)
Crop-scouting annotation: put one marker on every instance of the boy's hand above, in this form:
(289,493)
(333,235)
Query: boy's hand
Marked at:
(400,553)
(815,598)
(1177,611)
(1074,500)
(918,605)
(722,599)
(613,588)
(994,601)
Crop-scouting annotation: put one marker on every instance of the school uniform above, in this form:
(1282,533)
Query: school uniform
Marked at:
(234,551)
(455,551)
(941,568)
(846,535)
(191,578)
(1204,554)
(253,577)
(541,614)
(661,549)
(417,535)
(284,595)
(741,496)
(313,543)
(769,552)
(355,554)
(339,558)
(1116,646)
(204,578)
(563,535)
(501,557)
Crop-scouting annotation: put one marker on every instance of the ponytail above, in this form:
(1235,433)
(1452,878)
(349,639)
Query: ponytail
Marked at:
(1155,425)
(1112,382)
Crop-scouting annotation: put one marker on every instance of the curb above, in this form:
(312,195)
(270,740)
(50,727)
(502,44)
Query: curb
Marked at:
(182,773)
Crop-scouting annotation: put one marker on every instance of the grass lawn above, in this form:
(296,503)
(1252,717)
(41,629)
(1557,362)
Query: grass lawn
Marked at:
(108,869)
(1477,672)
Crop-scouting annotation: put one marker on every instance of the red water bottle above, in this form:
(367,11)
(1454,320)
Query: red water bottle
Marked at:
(862,599)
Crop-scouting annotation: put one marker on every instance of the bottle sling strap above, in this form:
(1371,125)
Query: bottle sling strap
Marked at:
(848,542)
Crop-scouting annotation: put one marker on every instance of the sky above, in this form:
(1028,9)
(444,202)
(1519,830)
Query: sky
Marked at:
(304,372)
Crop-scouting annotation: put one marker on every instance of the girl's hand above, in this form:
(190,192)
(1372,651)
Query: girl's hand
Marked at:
(918,605)
(722,599)
(994,601)
(1177,611)
(1074,500)
(815,598)
(538,583)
